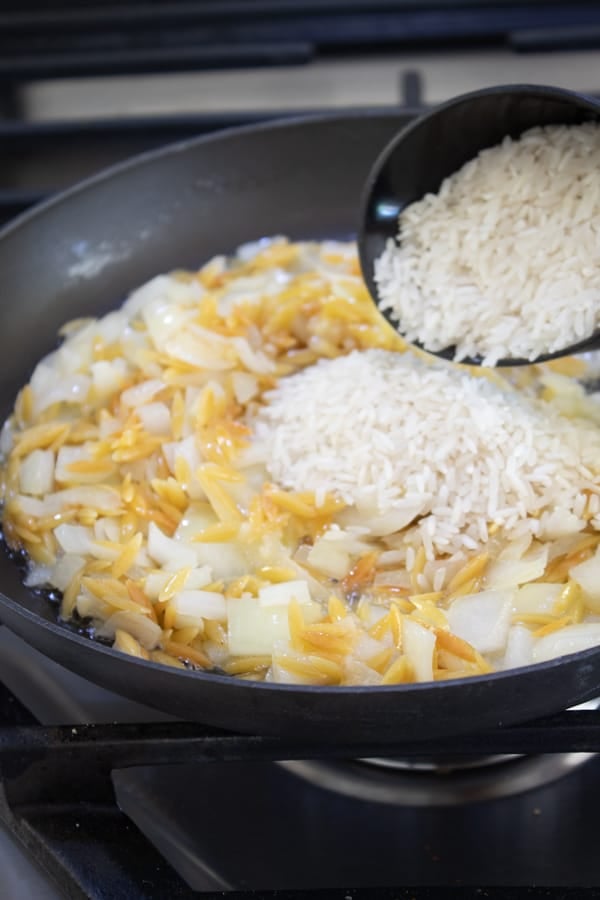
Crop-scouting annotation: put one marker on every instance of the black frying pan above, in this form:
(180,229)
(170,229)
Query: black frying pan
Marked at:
(81,254)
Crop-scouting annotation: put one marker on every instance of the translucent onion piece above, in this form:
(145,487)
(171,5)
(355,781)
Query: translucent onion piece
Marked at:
(482,619)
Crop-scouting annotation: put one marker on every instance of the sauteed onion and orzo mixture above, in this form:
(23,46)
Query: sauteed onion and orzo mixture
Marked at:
(244,470)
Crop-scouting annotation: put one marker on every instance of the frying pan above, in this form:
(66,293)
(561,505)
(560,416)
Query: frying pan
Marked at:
(80,255)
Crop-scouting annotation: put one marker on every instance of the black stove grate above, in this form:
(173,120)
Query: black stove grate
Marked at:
(132,36)
(57,797)
(88,39)
(63,750)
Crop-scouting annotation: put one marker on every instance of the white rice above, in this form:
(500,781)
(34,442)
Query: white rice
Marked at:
(387,431)
(503,261)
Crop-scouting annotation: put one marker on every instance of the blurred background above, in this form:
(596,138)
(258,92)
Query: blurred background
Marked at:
(85,83)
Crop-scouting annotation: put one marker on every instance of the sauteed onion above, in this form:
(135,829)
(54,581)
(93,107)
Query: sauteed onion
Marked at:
(142,478)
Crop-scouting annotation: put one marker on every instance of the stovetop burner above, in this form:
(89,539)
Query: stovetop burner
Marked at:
(439,781)
(405,784)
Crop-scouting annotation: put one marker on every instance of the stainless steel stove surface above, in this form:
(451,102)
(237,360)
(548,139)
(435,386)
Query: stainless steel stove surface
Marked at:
(151,808)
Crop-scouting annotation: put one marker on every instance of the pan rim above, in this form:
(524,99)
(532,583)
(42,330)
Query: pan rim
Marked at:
(175,147)
(63,634)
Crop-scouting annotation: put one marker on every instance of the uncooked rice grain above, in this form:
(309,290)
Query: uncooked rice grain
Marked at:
(503,261)
(388,431)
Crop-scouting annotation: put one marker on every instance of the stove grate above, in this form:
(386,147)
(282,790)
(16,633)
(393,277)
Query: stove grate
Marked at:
(57,798)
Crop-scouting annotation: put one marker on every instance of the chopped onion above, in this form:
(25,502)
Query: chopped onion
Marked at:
(242,492)
(383,524)
(255,454)
(188,452)
(155,417)
(103,499)
(199,605)
(90,607)
(325,557)
(570,639)
(374,614)
(253,629)
(394,520)
(36,473)
(517,548)
(196,518)
(6,438)
(31,506)
(536,598)
(74,538)
(157,290)
(200,351)
(68,389)
(366,647)
(245,386)
(587,575)
(106,529)
(168,552)
(101,551)
(141,393)
(396,577)
(356,672)
(559,523)
(76,353)
(282,594)
(156,581)
(111,326)
(348,538)
(391,558)
(245,252)
(108,425)
(65,570)
(44,375)
(418,644)
(227,560)
(519,647)
(147,632)
(280,675)
(318,591)
(508,573)
(108,377)
(162,317)
(563,546)
(482,619)
(198,578)
(38,575)
(254,360)
(66,456)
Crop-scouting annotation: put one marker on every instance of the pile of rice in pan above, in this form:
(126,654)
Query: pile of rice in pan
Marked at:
(502,263)
(245,470)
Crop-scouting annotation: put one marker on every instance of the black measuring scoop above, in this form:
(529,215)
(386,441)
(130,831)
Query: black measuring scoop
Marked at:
(440,142)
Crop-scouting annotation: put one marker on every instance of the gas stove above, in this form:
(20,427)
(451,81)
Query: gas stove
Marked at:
(103,798)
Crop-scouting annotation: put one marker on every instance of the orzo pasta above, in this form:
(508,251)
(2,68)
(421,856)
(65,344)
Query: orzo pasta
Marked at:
(244,470)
